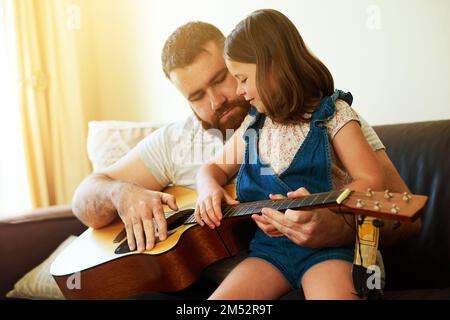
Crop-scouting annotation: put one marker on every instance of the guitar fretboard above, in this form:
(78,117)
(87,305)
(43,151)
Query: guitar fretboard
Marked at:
(255,207)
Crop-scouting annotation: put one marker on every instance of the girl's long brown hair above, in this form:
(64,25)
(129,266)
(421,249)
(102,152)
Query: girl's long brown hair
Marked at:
(291,81)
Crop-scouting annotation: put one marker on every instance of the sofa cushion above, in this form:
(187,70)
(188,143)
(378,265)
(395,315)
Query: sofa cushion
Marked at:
(39,283)
(108,141)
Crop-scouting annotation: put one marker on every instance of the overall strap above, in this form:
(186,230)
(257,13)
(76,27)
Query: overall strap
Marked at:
(327,108)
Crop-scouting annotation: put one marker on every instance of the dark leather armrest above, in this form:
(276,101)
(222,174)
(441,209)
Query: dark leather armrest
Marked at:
(27,240)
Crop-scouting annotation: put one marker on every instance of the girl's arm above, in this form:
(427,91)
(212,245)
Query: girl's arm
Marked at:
(358,158)
(212,176)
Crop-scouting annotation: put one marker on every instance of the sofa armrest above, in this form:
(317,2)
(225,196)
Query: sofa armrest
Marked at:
(28,239)
(47,213)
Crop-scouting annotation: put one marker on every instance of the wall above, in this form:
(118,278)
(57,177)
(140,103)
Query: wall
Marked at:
(392,55)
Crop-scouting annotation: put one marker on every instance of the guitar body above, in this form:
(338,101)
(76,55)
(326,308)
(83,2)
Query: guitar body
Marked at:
(172,265)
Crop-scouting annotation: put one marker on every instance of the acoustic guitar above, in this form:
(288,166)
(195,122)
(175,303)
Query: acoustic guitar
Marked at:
(99,264)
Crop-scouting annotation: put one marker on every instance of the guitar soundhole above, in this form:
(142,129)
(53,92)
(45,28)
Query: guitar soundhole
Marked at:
(122,234)
(179,218)
(122,248)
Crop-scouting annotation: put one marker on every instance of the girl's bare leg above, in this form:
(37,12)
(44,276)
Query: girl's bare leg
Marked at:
(329,280)
(252,279)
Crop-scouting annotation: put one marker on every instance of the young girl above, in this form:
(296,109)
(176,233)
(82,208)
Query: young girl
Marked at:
(299,133)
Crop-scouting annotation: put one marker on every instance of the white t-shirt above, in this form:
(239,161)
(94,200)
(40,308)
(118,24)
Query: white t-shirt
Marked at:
(174,153)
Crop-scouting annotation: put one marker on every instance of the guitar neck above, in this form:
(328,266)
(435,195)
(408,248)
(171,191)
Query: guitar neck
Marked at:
(317,200)
(384,205)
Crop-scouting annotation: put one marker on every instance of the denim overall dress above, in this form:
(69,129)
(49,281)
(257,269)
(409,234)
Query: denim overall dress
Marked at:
(310,168)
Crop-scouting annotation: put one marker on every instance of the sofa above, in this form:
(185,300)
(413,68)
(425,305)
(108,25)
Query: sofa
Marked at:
(417,268)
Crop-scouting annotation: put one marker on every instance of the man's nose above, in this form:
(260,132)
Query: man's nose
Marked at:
(217,99)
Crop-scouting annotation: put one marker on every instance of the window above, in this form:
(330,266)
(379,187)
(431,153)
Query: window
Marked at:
(14,191)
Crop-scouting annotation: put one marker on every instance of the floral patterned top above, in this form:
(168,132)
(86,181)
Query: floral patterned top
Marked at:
(279,143)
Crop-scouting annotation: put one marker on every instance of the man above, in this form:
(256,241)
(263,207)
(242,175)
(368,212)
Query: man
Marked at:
(193,61)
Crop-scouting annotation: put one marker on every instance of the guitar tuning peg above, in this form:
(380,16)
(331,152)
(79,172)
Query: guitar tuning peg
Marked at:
(396,225)
(395,209)
(359,203)
(377,206)
(387,194)
(406,196)
(378,223)
(369,193)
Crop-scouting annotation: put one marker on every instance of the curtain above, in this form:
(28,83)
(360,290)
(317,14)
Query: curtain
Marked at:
(51,103)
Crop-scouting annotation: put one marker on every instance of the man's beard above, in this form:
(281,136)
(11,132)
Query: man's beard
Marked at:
(234,120)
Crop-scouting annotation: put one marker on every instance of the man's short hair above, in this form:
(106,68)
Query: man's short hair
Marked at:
(187,42)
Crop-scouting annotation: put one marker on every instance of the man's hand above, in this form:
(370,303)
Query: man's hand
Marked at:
(313,229)
(137,207)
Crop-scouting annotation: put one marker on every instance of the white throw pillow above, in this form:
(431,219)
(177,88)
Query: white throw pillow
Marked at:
(38,284)
(108,141)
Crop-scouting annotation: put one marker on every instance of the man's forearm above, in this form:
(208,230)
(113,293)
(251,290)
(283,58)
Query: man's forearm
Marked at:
(390,234)
(92,201)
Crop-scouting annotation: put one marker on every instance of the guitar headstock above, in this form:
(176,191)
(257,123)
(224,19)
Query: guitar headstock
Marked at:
(403,207)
